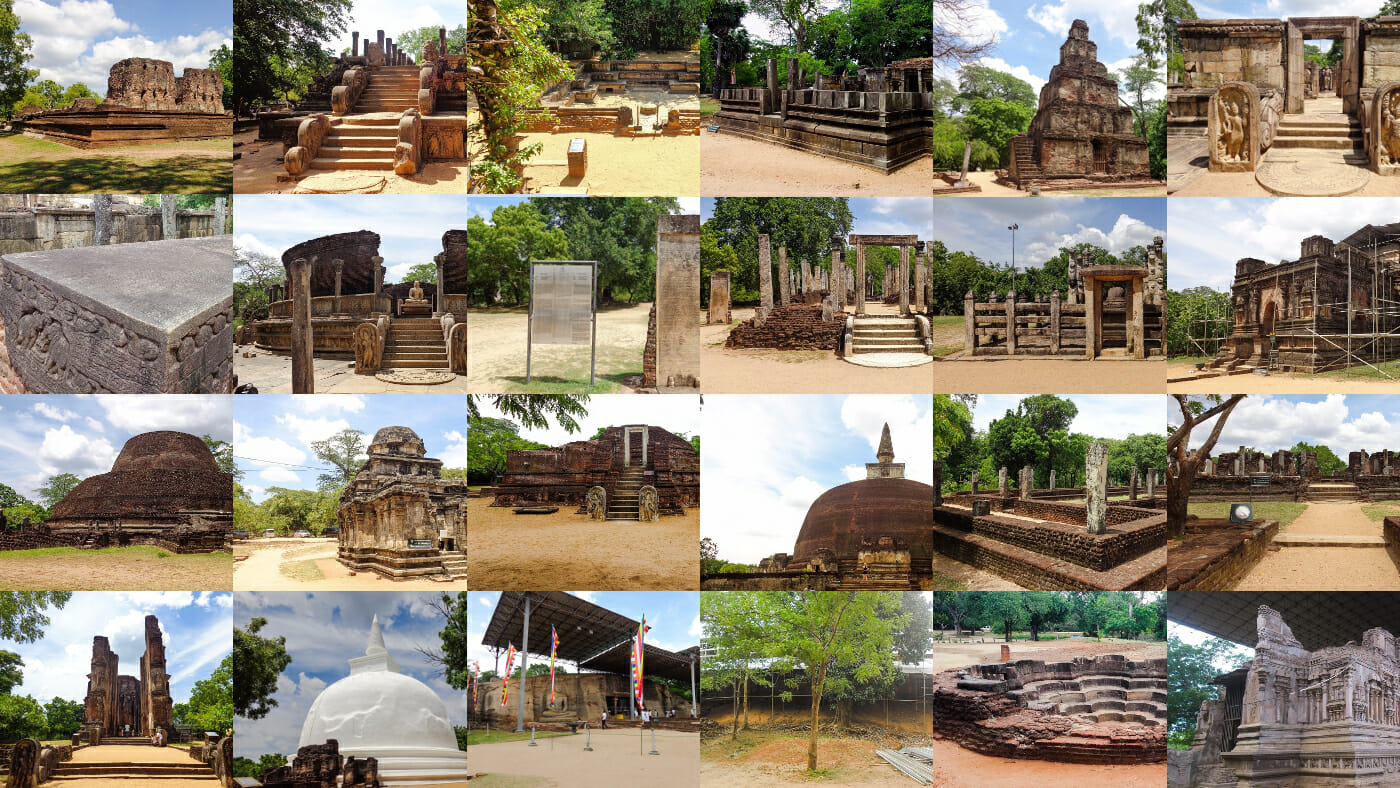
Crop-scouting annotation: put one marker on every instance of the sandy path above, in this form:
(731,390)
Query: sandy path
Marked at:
(1048,376)
(615,760)
(508,551)
(663,166)
(954,767)
(496,353)
(1275,383)
(114,570)
(990,188)
(971,578)
(763,371)
(260,571)
(1326,568)
(259,168)
(1340,519)
(733,166)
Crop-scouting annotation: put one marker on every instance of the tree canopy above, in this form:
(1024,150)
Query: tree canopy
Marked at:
(1189,672)
(257,662)
(806,226)
(278,45)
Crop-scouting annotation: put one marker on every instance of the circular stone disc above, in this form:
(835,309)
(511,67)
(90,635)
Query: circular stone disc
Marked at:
(416,377)
(888,360)
(1311,177)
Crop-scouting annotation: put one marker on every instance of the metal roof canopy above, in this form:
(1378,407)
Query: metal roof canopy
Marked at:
(592,637)
(1317,619)
(1372,233)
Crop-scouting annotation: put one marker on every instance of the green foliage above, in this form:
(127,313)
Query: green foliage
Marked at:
(48,94)
(952,424)
(655,25)
(726,44)
(413,40)
(424,273)
(873,32)
(1198,313)
(14,515)
(14,54)
(277,46)
(11,671)
(618,232)
(1189,672)
(64,717)
(21,717)
(488,441)
(456,640)
(806,226)
(499,252)
(1328,462)
(995,122)
(286,511)
(8,497)
(56,488)
(223,455)
(1148,450)
(246,767)
(257,662)
(980,82)
(1156,136)
(534,411)
(221,60)
(793,17)
(343,451)
(1157,33)
(210,707)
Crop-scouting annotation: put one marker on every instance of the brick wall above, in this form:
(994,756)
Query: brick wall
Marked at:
(793,327)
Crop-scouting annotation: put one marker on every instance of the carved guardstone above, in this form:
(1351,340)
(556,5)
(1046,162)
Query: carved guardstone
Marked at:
(1384,138)
(1233,128)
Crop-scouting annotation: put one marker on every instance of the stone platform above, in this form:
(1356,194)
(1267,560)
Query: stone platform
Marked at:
(1217,554)
(119,126)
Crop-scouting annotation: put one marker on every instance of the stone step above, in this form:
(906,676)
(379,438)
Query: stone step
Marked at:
(362,141)
(390,363)
(1325,143)
(349,164)
(356,152)
(411,355)
(1319,129)
(351,126)
(885,341)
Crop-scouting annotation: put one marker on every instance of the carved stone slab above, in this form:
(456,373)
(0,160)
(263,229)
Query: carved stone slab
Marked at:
(1233,128)
(1384,138)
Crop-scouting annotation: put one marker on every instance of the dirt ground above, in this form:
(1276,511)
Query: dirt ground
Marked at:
(1048,376)
(309,565)
(496,341)
(271,373)
(1274,383)
(970,577)
(509,552)
(664,166)
(259,168)
(782,761)
(733,166)
(1301,568)
(725,371)
(114,569)
(955,767)
(987,649)
(618,758)
(990,188)
(34,166)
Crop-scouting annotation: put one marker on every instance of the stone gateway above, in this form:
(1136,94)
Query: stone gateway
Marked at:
(117,703)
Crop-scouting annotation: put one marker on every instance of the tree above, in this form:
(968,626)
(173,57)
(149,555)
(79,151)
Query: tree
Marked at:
(736,625)
(806,226)
(11,671)
(499,252)
(534,411)
(453,656)
(729,38)
(796,16)
(210,707)
(709,556)
(221,60)
(246,767)
(952,422)
(488,443)
(1137,80)
(57,488)
(413,40)
(980,82)
(8,497)
(952,607)
(21,717)
(257,662)
(1182,462)
(277,43)
(995,122)
(1189,673)
(424,273)
(76,91)
(64,717)
(1157,32)
(953,20)
(1328,463)
(342,451)
(22,617)
(618,232)
(223,455)
(14,54)
(656,25)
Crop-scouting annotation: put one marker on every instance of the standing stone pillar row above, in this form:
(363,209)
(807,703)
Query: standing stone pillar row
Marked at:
(101,219)
(303,364)
(1026,482)
(1096,488)
(1151,481)
(784,278)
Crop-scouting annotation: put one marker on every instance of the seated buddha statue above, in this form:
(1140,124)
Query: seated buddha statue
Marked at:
(416,303)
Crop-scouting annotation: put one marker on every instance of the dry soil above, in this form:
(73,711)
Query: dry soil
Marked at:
(733,166)
(262,570)
(496,353)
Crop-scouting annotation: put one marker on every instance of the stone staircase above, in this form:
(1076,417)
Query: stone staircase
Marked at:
(124,741)
(1333,492)
(1024,152)
(886,334)
(1319,131)
(365,140)
(625,501)
(133,771)
(454,563)
(415,343)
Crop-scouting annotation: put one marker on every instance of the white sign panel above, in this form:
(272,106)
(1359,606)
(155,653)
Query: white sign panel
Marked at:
(562,299)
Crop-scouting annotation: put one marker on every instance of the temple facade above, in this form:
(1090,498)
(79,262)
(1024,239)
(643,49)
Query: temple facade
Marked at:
(139,704)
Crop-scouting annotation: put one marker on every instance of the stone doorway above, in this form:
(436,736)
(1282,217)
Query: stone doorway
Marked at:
(1100,158)
(1347,72)
(634,446)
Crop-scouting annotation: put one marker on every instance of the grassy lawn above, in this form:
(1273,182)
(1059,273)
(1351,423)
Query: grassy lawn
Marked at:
(302,571)
(1382,509)
(30,166)
(1283,511)
(1390,369)
(1188,359)
(497,736)
(943,328)
(115,568)
(708,106)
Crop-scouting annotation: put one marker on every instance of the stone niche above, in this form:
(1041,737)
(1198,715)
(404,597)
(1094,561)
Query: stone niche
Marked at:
(114,702)
(398,516)
(135,318)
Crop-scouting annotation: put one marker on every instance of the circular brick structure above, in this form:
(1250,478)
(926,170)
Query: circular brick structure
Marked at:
(157,473)
(858,514)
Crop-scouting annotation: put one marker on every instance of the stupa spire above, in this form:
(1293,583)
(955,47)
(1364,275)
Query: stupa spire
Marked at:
(376,639)
(885,454)
(377,657)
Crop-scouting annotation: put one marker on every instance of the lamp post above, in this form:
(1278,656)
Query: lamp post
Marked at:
(1013,228)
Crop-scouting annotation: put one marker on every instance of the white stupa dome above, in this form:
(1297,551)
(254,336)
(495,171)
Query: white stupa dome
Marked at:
(378,712)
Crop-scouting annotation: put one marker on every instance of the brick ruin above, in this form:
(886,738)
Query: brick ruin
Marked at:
(1081,134)
(1293,714)
(870,533)
(114,701)
(1041,539)
(353,312)
(1326,310)
(146,103)
(568,106)
(1288,476)
(1108,310)
(1099,710)
(577,696)
(878,118)
(607,478)
(398,516)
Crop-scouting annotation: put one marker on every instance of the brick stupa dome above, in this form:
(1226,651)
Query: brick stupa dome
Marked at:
(884,504)
(397,441)
(156,473)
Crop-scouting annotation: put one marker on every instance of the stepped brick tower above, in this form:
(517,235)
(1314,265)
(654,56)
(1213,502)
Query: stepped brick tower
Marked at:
(114,701)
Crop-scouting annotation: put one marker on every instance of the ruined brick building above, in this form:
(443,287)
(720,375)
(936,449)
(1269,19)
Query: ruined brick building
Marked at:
(114,701)
(624,462)
(398,516)
(1332,307)
(1080,130)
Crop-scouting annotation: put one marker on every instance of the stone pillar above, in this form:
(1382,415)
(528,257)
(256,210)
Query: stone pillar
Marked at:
(794,81)
(1003,489)
(355,44)
(903,283)
(974,483)
(937,483)
(1005,653)
(1055,323)
(1133,485)
(969,323)
(221,216)
(860,279)
(765,265)
(784,278)
(390,52)
(719,298)
(1092,317)
(1137,338)
(1027,482)
(838,276)
(920,270)
(806,278)
(378,263)
(1151,482)
(442,41)
(1096,487)
(1155,283)
(772,83)
(380,37)
(440,257)
(339,266)
(101,219)
(1052,479)
(303,365)
(169,223)
(677,293)
(1011,323)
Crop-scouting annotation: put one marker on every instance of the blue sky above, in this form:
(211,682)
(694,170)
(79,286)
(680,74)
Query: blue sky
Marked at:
(79,40)
(678,413)
(1046,226)
(1100,415)
(765,459)
(324,630)
(1343,423)
(1209,234)
(46,435)
(197,628)
(273,432)
(410,226)
(873,215)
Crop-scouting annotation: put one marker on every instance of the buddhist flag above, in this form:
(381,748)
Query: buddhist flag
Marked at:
(637,651)
(476,676)
(510,663)
(553,650)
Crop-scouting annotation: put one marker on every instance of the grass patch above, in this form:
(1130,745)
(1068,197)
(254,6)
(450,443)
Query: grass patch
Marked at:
(944,583)
(496,736)
(31,166)
(1283,511)
(136,551)
(1381,509)
(1363,372)
(708,106)
(1188,359)
(301,571)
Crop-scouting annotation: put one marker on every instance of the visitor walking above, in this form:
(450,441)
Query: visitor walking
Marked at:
(605,718)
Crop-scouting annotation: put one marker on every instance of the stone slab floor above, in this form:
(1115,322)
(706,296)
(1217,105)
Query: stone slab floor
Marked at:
(1326,568)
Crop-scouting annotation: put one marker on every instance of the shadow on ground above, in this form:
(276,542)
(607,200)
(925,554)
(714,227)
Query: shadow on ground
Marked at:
(118,174)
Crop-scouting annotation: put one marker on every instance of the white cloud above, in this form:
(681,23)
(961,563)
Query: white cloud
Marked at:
(309,430)
(455,454)
(694,630)
(67,451)
(1020,72)
(57,414)
(1127,232)
(267,451)
(1107,19)
(197,415)
(348,403)
(278,476)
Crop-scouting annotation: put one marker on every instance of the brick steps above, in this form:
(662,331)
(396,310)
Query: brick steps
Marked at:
(624,503)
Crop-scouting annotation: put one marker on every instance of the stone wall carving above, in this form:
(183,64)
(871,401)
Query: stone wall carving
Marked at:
(597,503)
(1233,128)
(648,505)
(310,134)
(344,95)
(1385,129)
(369,348)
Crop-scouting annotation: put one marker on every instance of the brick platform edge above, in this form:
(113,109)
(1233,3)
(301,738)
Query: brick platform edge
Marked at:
(1216,557)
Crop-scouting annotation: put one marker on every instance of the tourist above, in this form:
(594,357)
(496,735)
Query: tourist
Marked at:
(605,718)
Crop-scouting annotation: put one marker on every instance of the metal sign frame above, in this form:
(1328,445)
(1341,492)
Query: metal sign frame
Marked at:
(593,309)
